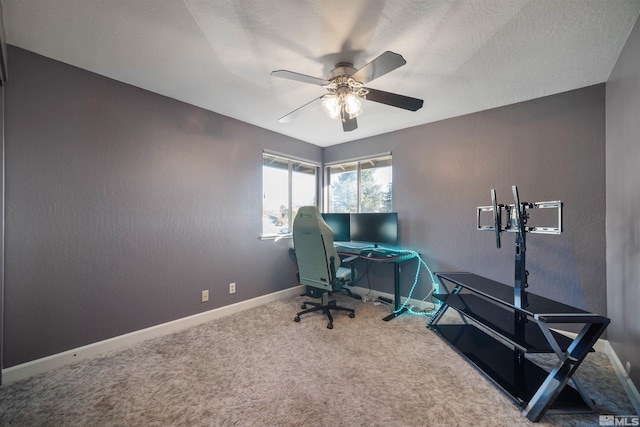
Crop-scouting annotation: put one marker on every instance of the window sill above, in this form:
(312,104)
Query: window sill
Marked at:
(275,237)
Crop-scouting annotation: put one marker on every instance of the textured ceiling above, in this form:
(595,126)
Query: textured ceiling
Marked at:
(462,56)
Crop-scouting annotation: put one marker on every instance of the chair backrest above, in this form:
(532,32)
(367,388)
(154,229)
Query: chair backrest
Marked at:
(313,244)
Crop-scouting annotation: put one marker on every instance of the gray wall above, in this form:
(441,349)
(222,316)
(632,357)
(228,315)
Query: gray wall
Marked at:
(1,229)
(623,204)
(3,76)
(552,148)
(122,205)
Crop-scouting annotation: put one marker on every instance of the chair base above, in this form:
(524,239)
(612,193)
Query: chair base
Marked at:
(325,306)
(317,293)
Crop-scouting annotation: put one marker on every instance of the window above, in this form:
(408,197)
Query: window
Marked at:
(287,185)
(360,186)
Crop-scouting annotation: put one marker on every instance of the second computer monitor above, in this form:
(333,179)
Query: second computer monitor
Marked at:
(375,228)
(339,223)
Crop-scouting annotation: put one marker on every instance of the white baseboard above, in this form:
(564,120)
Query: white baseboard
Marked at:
(370,293)
(605,347)
(624,378)
(34,367)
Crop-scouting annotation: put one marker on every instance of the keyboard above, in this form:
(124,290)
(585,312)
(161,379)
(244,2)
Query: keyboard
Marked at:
(352,248)
(364,251)
(376,253)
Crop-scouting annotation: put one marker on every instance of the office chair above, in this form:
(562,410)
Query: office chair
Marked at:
(319,263)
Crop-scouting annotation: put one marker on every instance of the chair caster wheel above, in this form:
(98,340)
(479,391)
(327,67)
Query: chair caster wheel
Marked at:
(352,315)
(330,326)
(304,306)
(296,319)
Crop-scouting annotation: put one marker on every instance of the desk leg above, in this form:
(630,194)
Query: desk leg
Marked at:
(396,294)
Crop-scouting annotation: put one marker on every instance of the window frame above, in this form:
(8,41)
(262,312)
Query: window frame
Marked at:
(292,163)
(327,200)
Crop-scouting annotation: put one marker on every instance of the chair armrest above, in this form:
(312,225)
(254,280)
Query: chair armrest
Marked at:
(351,262)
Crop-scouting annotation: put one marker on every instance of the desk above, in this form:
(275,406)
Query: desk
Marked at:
(522,330)
(385,256)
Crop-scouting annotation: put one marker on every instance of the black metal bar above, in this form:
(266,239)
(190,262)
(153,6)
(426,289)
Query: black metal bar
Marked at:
(562,372)
(396,294)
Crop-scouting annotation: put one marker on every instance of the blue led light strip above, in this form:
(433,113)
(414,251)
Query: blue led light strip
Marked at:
(409,255)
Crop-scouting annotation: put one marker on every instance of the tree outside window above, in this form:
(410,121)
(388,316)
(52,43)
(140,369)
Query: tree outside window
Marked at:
(362,186)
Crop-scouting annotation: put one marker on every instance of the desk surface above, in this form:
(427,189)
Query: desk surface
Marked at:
(377,254)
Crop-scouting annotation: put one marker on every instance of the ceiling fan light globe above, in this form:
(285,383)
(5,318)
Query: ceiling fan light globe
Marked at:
(352,104)
(331,105)
(354,115)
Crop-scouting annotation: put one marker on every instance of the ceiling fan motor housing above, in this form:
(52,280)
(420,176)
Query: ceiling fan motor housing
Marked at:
(342,69)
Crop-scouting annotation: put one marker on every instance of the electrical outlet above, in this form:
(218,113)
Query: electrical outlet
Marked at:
(232,288)
(205,296)
(627,367)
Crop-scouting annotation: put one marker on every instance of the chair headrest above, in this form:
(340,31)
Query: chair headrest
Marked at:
(308,216)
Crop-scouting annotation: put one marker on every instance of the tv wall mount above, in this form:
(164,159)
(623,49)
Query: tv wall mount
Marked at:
(514,219)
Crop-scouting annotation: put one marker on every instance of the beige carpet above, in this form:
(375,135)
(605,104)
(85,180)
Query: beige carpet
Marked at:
(259,368)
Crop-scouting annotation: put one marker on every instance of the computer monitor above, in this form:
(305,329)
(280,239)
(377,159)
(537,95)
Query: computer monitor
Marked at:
(339,223)
(375,228)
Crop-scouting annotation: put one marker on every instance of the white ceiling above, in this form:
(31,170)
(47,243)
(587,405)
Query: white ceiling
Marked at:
(462,56)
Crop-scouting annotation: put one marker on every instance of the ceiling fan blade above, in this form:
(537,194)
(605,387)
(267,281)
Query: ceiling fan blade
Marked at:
(285,74)
(349,124)
(295,113)
(393,99)
(380,66)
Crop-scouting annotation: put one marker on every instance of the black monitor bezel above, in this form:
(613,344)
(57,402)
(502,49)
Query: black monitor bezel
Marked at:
(374,236)
(345,220)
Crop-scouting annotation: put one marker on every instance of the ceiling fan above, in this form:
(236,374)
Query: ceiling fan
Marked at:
(345,87)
